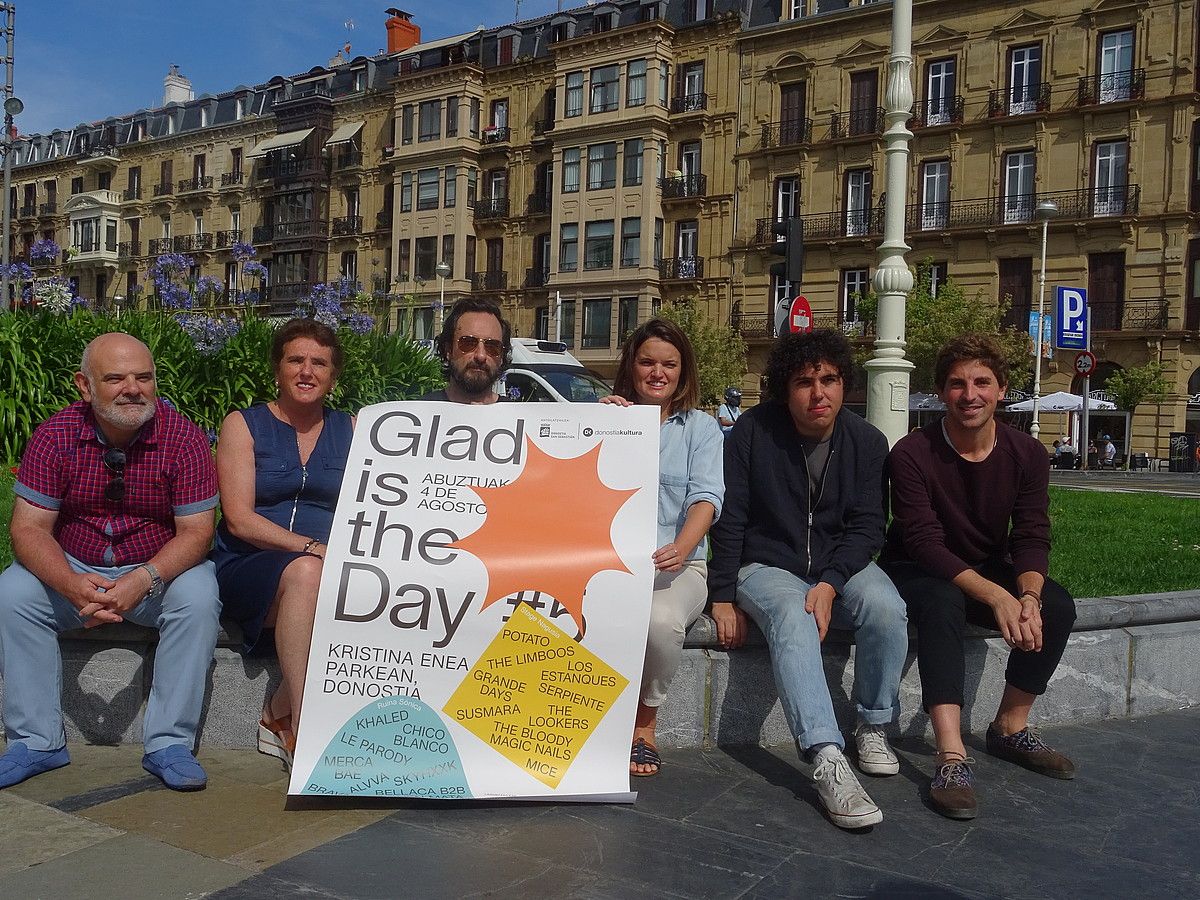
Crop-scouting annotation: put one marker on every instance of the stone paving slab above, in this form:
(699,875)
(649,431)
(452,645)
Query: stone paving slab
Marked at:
(58,834)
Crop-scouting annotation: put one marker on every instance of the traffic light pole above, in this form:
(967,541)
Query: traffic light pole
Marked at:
(887,370)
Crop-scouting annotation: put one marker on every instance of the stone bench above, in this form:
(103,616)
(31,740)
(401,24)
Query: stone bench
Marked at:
(1128,656)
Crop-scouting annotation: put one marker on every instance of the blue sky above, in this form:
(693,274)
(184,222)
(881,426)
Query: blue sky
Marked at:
(82,61)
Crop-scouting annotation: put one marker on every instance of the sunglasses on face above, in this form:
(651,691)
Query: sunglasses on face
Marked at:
(114,461)
(491,346)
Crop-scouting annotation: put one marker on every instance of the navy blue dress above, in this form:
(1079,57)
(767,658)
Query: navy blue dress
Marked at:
(299,498)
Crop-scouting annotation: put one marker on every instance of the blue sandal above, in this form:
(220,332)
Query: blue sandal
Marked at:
(643,753)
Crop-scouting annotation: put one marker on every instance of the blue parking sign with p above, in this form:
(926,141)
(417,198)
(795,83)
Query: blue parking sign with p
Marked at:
(1070,305)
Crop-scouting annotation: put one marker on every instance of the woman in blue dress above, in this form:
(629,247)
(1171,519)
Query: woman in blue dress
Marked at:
(276,515)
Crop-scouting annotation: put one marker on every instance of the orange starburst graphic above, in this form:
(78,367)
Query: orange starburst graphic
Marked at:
(548,529)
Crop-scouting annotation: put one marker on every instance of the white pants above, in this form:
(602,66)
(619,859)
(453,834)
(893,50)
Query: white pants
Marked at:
(679,598)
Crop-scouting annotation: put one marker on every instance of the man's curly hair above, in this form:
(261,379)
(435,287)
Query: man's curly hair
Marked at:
(794,353)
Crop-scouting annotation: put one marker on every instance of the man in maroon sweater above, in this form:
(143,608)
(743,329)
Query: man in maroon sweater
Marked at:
(970,542)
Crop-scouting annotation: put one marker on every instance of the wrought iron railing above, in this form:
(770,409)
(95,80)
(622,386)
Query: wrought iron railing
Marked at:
(159,246)
(228,179)
(491,208)
(128,249)
(682,186)
(164,189)
(1019,100)
(689,102)
(1130,315)
(496,135)
(1112,87)
(938,111)
(188,243)
(348,159)
(787,134)
(537,277)
(539,204)
(856,123)
(48,209)
(489,281)
(681,268)
(229,237)
(199,183)
(383,219)
(344,225)
(28,211)
(132,193)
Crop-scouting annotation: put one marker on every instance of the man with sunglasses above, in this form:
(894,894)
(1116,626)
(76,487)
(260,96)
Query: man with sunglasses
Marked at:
(476,346)
(112,522)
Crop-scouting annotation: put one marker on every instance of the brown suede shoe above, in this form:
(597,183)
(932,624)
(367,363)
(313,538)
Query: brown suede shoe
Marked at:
(1026,749)
(952,791)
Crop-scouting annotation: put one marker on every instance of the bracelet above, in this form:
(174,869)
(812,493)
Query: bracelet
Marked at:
(307,547)
(1037,598)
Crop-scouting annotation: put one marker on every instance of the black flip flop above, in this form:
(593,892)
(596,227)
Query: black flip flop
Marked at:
(643,753)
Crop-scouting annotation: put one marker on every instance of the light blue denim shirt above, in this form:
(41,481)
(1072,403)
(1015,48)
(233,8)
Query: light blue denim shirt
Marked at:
(691,468)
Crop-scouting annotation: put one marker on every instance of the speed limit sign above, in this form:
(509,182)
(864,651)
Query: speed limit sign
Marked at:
(1085,362)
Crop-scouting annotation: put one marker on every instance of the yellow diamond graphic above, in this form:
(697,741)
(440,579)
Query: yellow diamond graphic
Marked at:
(536,696)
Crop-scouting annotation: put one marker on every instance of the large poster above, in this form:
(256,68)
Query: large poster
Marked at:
(484,602)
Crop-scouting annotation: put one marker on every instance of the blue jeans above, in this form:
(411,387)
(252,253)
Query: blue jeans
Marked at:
(870,606)
(32,616)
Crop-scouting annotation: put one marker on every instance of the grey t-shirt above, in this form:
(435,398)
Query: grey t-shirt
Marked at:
(817,454)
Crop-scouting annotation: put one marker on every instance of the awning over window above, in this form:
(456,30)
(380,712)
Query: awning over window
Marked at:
(280,141)
(344,133)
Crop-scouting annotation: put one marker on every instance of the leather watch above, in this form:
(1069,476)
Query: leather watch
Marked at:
(156,582)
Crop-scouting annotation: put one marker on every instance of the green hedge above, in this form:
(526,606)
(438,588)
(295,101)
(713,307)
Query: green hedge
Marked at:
(40,351)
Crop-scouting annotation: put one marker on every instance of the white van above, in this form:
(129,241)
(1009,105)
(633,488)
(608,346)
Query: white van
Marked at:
(544,372)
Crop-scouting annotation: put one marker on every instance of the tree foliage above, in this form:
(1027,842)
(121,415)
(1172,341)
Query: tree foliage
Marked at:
(720,351)
(1139,384)
(931,321)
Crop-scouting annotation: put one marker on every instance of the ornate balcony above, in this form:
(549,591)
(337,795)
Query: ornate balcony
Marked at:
(541,127)
(1130,315)
(232,179)
(28,211)
(159,246)
(133,194)
(537,277)
(129,249)
(265,234)
(938,111)
(1114,87)
(856,123)
(199,183)
(682,187)
(495,134)
(1018,209)
(192,243)
(494,208)
(489,281)
(539,204)
(226,239)
(383,220)
(787,134)
(347,159)
(763,234)
(164,190)
(346,225)
(844,223)
(48,209)
(1021,100)
(681,268)
(762,326)
(294,169)
(686,103)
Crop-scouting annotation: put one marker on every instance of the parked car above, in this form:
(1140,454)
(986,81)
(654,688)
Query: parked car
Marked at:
(544,372)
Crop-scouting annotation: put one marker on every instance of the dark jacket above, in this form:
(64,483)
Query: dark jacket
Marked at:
(767,517)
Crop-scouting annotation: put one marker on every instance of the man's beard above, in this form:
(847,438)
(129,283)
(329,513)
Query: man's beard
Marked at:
(124,415)
(474,379)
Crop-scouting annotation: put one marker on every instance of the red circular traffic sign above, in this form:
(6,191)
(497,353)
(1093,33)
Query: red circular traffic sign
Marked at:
(1085,362)
(800,317)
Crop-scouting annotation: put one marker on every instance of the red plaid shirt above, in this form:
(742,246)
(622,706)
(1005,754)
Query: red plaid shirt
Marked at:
(169,472)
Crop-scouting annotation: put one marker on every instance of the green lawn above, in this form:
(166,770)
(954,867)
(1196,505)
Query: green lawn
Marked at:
(1104,544)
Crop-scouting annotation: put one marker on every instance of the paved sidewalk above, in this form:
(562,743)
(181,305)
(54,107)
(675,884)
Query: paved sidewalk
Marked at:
(1175,484)
(726,823)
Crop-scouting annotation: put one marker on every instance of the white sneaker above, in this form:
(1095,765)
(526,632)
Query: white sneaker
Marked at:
(875,757)
(846,802)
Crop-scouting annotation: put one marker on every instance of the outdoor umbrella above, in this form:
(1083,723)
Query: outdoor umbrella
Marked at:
(1060,401)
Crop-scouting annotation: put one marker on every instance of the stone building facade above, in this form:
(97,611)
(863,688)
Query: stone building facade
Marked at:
(586,166)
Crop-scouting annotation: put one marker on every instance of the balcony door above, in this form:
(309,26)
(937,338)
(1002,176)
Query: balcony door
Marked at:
(687,248)
(864,101)
(1116,65)
(935,194)
(1106,290)
(1024,79)
(858,202)
(791,113)
(1016,288)
(1111,178)
(939,92)
(1019,197)
(689,159)
(495,255)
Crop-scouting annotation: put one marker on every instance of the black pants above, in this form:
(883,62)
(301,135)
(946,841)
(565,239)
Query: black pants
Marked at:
(939,611)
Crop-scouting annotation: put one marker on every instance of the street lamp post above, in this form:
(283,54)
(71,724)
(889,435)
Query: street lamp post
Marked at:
(443,272)
(12,107)
(1046,210)
(887,370)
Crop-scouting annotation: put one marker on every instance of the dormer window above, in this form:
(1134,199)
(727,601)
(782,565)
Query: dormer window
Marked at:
(204,117)
(562,28)
(603,21)
(504,49)
(360,81)
(651,11)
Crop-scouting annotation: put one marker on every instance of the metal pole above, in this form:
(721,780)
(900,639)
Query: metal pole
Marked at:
(441,310)
(1087,385)
(1035,428)
(887,370)
(10,15)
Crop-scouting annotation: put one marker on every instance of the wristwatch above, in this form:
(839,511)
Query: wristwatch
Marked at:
(156,582)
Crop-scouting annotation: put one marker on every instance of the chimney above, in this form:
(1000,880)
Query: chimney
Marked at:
(401,32)
(177,88)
